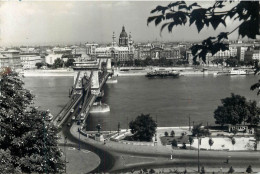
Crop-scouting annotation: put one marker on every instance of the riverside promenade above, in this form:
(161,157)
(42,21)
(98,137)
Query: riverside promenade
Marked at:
(129,157)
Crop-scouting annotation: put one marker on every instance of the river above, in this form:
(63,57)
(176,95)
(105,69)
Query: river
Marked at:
(172,101)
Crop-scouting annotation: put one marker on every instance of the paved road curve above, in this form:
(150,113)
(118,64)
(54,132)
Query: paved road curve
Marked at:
(117,157)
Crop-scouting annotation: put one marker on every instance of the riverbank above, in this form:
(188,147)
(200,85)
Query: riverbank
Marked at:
(49,73)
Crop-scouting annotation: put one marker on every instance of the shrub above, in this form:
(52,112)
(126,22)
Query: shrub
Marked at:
(174,143)
(166,134)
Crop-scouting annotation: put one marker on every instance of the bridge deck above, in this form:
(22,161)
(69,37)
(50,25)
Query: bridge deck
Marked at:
(74,103)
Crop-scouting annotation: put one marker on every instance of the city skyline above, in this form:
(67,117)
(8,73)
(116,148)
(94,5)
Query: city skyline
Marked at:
(38,23)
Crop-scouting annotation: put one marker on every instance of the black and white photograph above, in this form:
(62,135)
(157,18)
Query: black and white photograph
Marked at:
(129,86)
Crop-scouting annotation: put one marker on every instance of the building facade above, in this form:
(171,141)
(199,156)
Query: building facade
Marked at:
(10,58)
(29,60)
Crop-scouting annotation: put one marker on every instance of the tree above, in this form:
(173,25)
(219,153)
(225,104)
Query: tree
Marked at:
(143,127)
(231,170)
(39,65)
(166,134)
(233,141)
(152,171)
(232,62)
(58,63)
(69,62)
(191,141)
(172,133)
(211,142)
(25,133)
(198,131)
(257,137)
(174,143)
(179,13)
(203,170)
(235,110)
(249,169)
(184,146)
(6,165)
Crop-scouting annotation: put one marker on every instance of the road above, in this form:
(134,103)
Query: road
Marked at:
(117,157)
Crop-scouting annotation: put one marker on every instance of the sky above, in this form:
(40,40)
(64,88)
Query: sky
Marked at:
(69,22)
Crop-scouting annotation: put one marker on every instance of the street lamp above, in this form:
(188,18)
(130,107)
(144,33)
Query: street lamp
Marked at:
(65,142)
(198,153)
(79,137)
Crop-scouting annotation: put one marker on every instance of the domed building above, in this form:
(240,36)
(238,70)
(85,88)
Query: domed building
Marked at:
(123,38)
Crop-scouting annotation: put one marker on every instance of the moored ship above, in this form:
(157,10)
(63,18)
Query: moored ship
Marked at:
(163,73)
(98,107)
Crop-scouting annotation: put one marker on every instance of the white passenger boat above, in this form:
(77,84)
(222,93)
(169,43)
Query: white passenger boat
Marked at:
(235,71)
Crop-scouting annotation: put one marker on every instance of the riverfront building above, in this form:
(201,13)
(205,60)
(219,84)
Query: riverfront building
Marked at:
(30,59)
(10,58)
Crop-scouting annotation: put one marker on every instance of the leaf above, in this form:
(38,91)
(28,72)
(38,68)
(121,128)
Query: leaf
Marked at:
(216,20)
(159,9)
(249,29)
(222,35)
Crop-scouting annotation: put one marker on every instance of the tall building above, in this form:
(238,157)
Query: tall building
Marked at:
(123,38)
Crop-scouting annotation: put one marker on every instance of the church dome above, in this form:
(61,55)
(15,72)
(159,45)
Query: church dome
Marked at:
(123,33)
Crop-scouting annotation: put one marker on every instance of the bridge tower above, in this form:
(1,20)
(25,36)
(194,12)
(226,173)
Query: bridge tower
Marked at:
(105,62)
(88,71)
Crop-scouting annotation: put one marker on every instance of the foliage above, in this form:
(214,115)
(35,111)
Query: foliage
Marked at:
(58,63)
(191,140)
(174,143)
(231,170)
(39,65)
(202,170)
(166,134)
(257,137)
(69,62)
(25,134)
(172,133)
(233,141)
(179,13)
(232,62)
(249,169)
(218,61)
(198,131)
(152,171)
(184,146)
(143,127)
(235,110)
(211,142)
(6,165)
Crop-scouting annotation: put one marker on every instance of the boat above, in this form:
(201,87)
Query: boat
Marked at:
(98,107)
(163,73)
(221,73)
(111,80)
(235,71)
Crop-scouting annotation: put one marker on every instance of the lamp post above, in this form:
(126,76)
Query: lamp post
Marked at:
(79,137)
(198,154)
(65,142)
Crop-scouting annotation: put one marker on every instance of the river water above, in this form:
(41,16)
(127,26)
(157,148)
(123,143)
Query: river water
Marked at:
(172,101)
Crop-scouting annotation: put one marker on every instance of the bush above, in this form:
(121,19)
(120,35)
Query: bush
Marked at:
(249,169)
(166,134)
(184,146)
(172,133)
(231,170)
(174,143)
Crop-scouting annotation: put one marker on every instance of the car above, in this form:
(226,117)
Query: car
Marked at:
(72,110)
(80,106)
(73,118)
(69,124)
